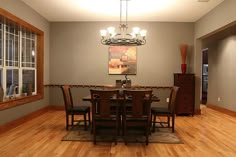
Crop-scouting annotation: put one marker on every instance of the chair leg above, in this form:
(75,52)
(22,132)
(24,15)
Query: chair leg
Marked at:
(151,122)
(124,133)
(173,123)
(147,132)
(89,119)
(116,130)
(168,120)
(154,123)
(85,122)
(72,120)
(67,121)
(94,132)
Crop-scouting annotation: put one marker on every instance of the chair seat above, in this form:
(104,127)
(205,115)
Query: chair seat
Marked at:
(79,109)
(160,110)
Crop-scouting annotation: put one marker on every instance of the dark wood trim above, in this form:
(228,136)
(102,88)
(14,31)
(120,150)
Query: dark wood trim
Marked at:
(8,126)
(223,110)
(94,86)
(19,21)
(19,101)
(40,61)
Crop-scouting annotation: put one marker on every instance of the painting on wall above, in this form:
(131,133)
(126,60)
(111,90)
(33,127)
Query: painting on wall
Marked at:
(122,60)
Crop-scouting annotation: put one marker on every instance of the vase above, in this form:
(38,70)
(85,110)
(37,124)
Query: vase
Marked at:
(183,68)
(183,51)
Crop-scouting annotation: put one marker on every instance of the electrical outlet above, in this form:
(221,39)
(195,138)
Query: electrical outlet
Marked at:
(218,99)
(167,99)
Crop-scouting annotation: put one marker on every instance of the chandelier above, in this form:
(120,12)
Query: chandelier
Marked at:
(136,38)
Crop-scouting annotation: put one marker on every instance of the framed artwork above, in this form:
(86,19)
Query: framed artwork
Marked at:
(122,60)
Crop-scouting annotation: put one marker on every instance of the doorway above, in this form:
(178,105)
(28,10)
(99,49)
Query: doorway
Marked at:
(204,75)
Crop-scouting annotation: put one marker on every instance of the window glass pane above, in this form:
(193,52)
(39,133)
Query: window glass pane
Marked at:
(12,81)
(28,48)
(12,44)
(28,80)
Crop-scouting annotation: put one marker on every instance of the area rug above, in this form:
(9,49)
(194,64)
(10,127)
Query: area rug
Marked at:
(161,135)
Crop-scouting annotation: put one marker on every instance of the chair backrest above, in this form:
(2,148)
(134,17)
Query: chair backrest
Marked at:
(139,102)
(103,101)
(68,102)
(173,99)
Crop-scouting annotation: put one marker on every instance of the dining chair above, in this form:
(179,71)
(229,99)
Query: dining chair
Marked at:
(72,110)
(136,111)
(105,111)
(168,112)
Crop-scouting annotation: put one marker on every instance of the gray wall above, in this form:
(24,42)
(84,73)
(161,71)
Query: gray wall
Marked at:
(78,57)
(222,76)
(24,12)
(221,55)
(220,16)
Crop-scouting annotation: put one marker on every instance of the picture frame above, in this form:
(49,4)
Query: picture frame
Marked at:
(122,60)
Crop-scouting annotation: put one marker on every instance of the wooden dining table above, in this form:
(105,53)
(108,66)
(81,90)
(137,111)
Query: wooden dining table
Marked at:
(88,98)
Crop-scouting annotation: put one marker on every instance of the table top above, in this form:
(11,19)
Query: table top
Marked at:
(88,98)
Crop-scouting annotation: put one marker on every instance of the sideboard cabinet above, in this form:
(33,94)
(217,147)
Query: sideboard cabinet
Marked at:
(186,95)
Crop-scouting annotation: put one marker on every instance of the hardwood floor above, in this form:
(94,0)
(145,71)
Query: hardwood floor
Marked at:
(209,134)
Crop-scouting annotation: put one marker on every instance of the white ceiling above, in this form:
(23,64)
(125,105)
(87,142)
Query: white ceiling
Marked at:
(109,10)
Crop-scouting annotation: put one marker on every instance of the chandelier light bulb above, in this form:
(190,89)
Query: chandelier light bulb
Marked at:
(113,34)
(136,30)
(133,35)
(103,32)
(143,33)
(111,30)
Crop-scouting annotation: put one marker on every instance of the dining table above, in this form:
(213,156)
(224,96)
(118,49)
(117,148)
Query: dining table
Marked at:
(154,98)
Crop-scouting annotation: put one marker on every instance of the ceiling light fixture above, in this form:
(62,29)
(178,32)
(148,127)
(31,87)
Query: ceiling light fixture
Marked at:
(136,38)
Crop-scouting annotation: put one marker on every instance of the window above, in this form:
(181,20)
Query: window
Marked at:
(21,61)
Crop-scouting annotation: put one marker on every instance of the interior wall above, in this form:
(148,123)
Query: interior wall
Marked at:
(78,57)
(221,16)
(21,10)
(222,76)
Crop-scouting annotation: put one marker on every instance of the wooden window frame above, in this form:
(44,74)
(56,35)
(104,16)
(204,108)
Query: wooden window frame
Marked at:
(40,60)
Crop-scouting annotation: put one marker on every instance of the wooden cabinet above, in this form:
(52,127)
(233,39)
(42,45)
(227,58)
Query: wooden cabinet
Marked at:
(186,97)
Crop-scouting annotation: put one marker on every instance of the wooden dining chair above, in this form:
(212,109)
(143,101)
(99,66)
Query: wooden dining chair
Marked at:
(168,112)
(105,110)
(72,110)
(136,111)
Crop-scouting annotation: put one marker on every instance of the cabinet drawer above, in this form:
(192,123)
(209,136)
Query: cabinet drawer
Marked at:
(184,79)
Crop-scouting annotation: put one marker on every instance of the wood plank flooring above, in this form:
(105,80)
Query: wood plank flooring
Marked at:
(212,134)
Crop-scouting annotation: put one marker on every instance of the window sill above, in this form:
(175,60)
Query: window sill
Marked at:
(19,101)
